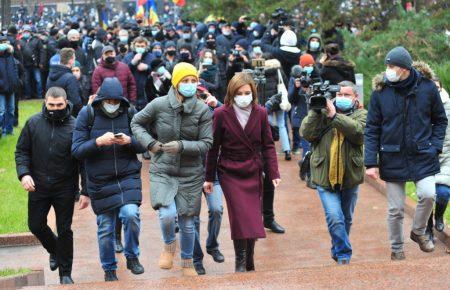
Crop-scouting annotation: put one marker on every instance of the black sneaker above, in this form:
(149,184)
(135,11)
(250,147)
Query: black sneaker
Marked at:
(287,155)
(217,256)
(134,266)
(53,262)
(199,269)
(63,280)
(111,276)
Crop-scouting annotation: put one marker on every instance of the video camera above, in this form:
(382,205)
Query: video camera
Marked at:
(258,72)
(320,93)
(146,32)
(298,74)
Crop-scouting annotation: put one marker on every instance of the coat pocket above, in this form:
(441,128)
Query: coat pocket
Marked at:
(425,147)
(390,148)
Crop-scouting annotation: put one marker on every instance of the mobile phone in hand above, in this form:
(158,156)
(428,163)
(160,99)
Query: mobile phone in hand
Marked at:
(118,135)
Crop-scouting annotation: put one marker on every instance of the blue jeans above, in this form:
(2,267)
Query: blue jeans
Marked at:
(167,216)
(339,207)
(106,222)
(281,123)
(296,139)
(442,193)
(6,113)
(215,212)
(33,73)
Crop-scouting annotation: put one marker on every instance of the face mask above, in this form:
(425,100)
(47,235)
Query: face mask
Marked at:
(187,90)
(74,44)
(391,75)
(344,104)
(207,61)
(253,25)
(77,74)
(184,56)
(243,101)
(314,45)
(122,49)
(257,50)
(110,108)
(255,33)
(308,69)
(211,30)
(186,35)
(211,44)
(154,32)
(157,53)
(226,32)
(161,70)
(110,60)
(56,114)
(3,46)
(171,52)
(26,36)
(140,50)
(123,39)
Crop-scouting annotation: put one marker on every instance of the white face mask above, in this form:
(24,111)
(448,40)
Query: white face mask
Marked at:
(110,108)
(243,101)
(391,75)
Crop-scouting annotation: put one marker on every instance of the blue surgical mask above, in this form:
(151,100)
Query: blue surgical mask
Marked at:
(157,53)
(308,69)
(154,32)
(207,61)
(257,50)
(211,30)
(188,90)
(253,25)
(123,39)
(343,104)
(161,70)
(140,50)
(314,45)
(186,35)
(3,46)
(26,35)
(255,33)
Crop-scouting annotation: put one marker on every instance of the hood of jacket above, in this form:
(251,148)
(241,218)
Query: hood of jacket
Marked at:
(57,71)
(272,64)
(315,35)
(379,81)
(111,89)
(339,62)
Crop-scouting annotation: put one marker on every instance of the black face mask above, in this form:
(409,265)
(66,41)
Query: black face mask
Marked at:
(171,52)
(184,56)
(56,114)
(74,44)
(110,59)
(122,49)
(211,44)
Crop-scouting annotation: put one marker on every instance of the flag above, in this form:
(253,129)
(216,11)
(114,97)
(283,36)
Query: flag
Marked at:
(180,3)
(141,6)
(152,14)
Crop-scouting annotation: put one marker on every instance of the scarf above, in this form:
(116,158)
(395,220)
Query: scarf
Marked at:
(242,114)
(336,170)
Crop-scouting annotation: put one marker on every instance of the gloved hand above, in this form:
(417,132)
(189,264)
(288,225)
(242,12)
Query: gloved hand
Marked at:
(172,147)
(155,148)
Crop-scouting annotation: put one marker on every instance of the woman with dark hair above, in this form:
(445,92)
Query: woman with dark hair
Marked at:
(242,147)
(208,71)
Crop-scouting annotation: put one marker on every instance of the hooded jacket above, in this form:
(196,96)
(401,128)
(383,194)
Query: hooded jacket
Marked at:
(337,69)
(43,151)
(118,70)
(405,126)
(113,172)
(61,76)
(9,73)
(315,53)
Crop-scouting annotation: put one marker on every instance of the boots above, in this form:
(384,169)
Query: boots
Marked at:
(188,268)
(250,253)
(439,216)
(166,258)
(240,247)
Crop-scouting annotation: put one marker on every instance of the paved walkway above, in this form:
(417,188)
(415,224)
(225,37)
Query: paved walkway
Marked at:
(303,250)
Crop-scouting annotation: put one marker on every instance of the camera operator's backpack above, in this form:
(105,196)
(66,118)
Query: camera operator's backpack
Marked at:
(91,115)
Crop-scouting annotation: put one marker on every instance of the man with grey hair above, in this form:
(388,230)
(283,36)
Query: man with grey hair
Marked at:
(48,171)
(73,36)
(336,135)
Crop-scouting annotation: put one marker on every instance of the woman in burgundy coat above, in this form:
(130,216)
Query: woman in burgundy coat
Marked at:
(242,146)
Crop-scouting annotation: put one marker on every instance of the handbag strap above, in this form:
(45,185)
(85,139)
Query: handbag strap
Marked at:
(324,131)
(280,77)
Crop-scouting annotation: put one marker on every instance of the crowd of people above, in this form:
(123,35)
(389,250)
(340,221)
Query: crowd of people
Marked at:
(205,102)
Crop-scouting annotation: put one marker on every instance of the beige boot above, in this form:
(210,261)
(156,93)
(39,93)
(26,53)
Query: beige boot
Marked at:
(166,258)
(188,268)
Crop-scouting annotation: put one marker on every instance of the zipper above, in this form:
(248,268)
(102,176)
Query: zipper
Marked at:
(50,148)
(405,107)
(338,155)
(115,163)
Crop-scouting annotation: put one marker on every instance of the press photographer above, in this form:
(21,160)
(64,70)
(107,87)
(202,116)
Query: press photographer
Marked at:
(238,59)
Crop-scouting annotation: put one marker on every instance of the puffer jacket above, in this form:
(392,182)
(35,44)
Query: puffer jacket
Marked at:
(113,172)
(444,158)
(406,126)
(9,73)
(179,176)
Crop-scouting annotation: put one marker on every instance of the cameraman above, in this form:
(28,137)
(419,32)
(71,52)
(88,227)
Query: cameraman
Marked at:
(238,59)
(337,167)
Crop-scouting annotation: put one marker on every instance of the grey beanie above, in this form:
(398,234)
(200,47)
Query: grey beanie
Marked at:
(399,56)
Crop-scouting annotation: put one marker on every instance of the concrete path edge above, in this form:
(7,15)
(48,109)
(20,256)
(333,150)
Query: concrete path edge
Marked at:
(34,278)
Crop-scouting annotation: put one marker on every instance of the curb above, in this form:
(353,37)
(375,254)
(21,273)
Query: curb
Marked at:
(410,208)
(14,240)
(34,278)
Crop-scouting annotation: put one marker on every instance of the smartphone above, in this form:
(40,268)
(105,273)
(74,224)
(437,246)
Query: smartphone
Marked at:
(118,135)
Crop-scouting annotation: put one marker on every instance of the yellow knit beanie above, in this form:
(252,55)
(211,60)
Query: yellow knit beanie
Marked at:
(181,70)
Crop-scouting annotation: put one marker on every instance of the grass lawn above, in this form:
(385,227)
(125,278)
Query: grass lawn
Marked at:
(12,272)
(411,192)
(13,198)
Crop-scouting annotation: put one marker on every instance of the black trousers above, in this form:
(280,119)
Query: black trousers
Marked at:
(268,196)
(61,245)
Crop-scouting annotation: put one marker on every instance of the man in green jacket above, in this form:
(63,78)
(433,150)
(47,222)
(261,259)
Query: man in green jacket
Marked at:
(337,168)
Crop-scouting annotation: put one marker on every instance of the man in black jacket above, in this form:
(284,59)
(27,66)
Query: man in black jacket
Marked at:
(49,173)
(34,57)
(61,76)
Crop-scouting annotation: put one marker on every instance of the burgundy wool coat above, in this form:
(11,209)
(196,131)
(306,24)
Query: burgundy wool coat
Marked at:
(239,155)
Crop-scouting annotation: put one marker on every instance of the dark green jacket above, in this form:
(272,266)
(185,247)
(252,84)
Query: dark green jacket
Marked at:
(352,126)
